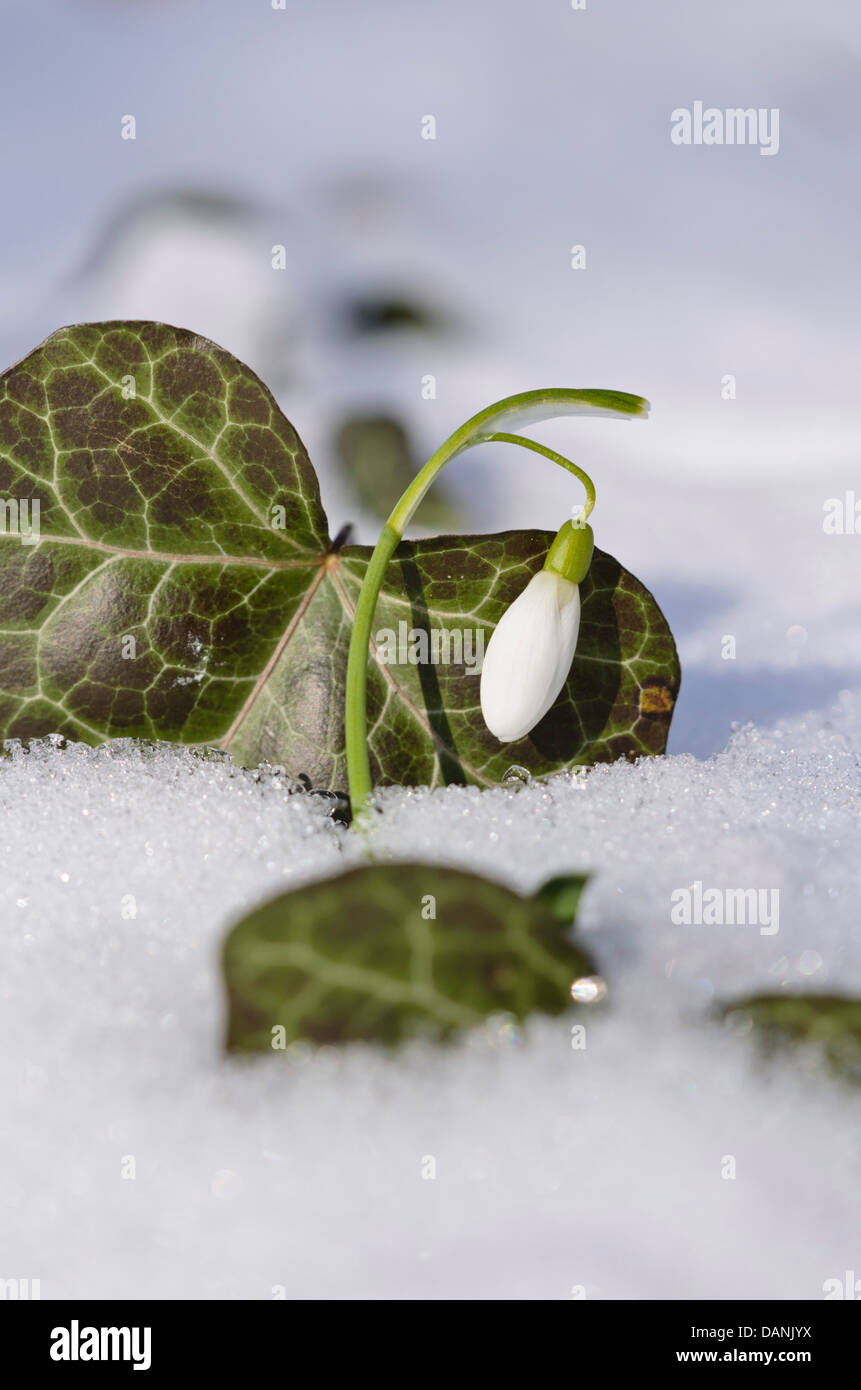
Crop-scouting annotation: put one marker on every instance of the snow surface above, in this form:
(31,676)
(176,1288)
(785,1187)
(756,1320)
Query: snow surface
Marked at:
(556,1169)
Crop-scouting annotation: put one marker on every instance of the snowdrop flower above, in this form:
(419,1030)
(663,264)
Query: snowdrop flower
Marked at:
(530,653)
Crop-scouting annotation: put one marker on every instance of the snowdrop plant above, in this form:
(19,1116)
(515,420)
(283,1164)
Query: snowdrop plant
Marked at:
(531,650)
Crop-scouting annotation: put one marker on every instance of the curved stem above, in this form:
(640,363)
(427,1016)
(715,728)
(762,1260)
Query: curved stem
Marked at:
(525,408)
(554,458)
(356,713)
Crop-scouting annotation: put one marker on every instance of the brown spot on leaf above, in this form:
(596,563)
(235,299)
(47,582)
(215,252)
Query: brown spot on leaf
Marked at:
(656,698)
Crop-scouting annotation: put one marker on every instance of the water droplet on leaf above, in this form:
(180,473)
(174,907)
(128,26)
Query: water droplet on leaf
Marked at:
(516,776)
(589,989)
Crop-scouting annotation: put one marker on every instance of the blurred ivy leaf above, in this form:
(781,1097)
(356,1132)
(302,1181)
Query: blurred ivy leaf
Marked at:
(826,1024)
(378,465)
(180,585)
(389,952)
(386,313)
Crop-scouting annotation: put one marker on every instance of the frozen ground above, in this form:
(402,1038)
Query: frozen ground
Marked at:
(556,1168)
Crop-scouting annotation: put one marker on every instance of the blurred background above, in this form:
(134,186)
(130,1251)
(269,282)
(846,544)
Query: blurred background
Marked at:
(428,170)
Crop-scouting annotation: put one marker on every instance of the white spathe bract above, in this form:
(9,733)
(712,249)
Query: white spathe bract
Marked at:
(529,655)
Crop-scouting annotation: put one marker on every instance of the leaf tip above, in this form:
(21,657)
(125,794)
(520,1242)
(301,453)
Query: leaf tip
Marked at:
(561,896)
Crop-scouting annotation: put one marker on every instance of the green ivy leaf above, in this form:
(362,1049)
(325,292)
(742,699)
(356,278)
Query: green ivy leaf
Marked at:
(183,585)
(390,952)
(827,1024)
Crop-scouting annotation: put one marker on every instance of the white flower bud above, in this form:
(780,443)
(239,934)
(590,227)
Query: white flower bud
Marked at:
(529,655)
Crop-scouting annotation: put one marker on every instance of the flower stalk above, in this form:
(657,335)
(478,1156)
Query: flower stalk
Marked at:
(566,551)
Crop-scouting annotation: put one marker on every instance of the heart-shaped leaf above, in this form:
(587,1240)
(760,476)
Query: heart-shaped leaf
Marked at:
(390,952)
(178,583)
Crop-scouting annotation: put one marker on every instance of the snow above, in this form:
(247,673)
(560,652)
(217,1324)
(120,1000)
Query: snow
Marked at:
(557,1169)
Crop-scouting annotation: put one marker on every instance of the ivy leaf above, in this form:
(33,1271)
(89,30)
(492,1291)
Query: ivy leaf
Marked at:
(182,585)
(828,1025)
(389,952)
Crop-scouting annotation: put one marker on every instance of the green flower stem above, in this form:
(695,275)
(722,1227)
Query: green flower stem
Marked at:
(356,713)
(555,458)
(356,693)
(529,406)
(358,762)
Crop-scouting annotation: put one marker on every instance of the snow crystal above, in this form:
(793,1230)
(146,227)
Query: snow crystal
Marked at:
(140,1161)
